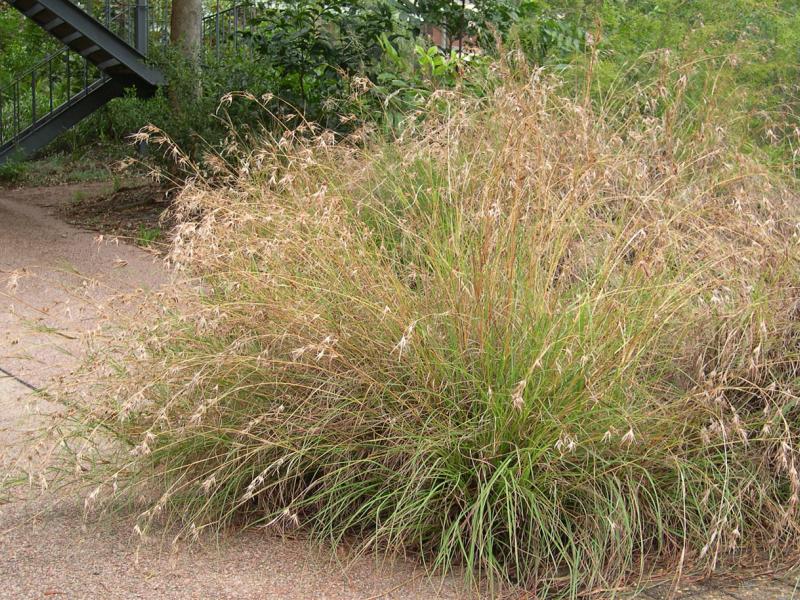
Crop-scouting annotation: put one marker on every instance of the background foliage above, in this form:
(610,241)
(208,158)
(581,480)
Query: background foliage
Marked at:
(17,38)
(370,61)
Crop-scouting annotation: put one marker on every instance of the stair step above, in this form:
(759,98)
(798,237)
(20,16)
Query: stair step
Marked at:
(23,5)
(43,17)
(68,39)
(111,62)
(32,12)
(53,24)
(90,50)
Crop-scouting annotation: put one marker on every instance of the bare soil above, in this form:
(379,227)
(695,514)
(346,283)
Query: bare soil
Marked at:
(134,213)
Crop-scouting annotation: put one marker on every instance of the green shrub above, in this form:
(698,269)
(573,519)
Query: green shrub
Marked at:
(312,59)
(12,171)
(18,36)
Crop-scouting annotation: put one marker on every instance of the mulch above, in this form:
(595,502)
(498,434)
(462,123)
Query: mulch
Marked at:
(133,213)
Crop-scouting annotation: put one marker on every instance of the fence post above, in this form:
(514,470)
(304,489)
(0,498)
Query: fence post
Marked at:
(141,26)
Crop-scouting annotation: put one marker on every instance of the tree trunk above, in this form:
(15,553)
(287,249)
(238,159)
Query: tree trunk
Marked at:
(186,36)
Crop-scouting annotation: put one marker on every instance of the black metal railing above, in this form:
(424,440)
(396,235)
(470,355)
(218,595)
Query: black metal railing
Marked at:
(230,28)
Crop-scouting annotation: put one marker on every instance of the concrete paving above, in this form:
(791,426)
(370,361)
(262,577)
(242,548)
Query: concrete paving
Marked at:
(57,283)
(16,418)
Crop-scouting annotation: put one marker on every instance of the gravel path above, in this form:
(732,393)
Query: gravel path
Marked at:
(55,286)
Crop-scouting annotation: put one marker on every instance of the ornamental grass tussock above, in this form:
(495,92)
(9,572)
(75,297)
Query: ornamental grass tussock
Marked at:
(544,342)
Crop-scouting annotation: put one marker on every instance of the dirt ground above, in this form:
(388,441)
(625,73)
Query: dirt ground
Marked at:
(57,282)
(131,213)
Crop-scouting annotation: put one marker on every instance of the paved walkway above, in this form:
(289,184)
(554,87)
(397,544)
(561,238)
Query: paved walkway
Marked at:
(55,287)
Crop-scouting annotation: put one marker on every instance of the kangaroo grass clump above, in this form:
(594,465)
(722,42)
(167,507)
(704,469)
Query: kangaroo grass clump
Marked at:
(541,341)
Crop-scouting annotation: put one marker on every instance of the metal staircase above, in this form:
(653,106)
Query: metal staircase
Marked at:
(103,51)
(84,35)
(95,65)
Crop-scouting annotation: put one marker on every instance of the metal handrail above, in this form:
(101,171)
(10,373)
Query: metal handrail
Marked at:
(28,100)
(212,18)
(18,114)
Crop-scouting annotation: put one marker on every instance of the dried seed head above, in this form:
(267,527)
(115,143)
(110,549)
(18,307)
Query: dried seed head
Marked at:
(517,399)
(566,443)
(629,438)
(405,340)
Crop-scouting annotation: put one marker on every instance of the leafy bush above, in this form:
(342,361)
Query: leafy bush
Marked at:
(549,344)
(313,59)
(12,171)
(313,45)
(17,37)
